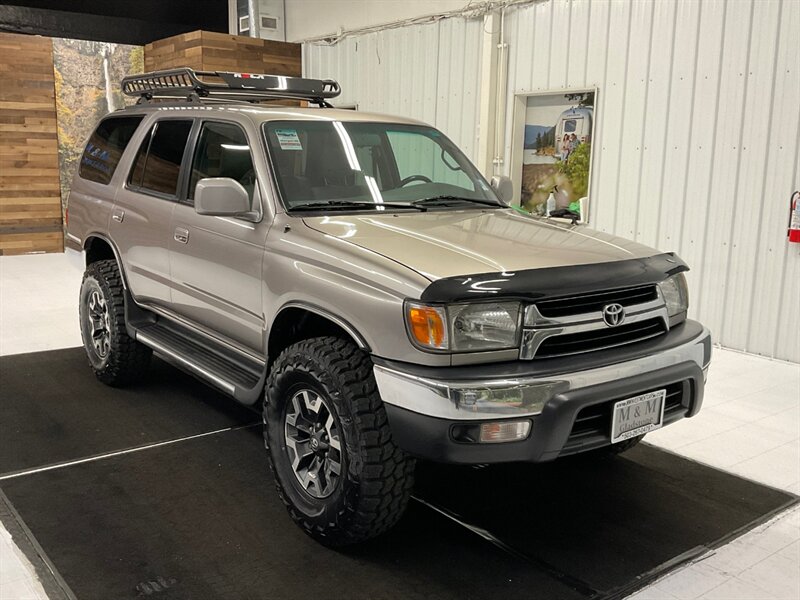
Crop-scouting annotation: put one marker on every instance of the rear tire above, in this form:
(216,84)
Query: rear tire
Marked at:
(116,358)
(330,381)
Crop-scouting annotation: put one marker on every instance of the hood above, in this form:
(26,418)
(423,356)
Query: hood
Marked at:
(439,244)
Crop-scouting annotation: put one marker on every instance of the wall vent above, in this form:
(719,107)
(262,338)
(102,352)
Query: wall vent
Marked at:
(269,22)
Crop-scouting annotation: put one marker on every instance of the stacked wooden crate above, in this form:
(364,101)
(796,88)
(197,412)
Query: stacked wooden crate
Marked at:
(208,51)
(30,204)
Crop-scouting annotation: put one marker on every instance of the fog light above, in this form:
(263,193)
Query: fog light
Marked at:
(506,431)
(505,397)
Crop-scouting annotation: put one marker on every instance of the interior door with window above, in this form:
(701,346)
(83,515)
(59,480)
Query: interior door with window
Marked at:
(140,219)
(216,261)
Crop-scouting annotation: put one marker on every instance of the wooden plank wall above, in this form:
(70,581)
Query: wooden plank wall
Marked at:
(185,50)
(209,51)
(30,203)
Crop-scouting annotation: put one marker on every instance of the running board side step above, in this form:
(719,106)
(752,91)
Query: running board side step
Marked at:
(229,371)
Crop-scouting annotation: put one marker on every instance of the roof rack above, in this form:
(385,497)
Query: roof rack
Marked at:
(186,84)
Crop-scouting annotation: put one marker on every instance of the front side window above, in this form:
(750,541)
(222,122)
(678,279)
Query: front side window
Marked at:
(105,148)
(222,151)
(158,163)
(327,163)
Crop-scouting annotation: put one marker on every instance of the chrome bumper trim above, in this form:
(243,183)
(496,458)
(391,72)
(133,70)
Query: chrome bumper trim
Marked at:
(446,399)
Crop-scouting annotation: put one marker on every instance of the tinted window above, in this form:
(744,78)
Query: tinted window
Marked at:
(222,151)
(158,163)
(105,148)
(135,178)
(569,125)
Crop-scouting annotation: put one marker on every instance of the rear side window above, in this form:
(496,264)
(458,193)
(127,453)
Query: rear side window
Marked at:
(158,162)
(105,148)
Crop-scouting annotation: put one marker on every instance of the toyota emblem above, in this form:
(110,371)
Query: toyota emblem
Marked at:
(613,314)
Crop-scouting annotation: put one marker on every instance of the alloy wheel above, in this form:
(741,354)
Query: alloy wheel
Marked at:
(313,443)
(99,324)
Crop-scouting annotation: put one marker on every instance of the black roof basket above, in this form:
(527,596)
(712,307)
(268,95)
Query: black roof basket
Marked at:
(186,83)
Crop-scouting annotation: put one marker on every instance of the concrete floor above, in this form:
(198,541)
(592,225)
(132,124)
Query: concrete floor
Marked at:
(749,425)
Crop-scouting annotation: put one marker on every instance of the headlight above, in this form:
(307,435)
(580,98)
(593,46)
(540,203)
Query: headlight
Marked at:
(492,326)
(464,327)
(676,294)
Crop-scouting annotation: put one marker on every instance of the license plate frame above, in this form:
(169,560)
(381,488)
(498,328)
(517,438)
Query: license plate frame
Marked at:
(650,420)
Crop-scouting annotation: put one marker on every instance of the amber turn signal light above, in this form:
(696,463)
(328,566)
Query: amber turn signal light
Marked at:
(427,325)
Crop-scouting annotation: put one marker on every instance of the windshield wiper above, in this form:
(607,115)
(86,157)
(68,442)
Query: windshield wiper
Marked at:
(447,200)
(350,204)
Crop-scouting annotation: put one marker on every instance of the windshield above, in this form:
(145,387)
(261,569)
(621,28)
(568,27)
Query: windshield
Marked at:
(320,164)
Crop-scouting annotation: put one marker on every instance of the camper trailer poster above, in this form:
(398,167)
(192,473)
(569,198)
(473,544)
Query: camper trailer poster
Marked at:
(557,156)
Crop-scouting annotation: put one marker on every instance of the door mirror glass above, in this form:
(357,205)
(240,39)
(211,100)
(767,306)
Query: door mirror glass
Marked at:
(504,188)
(221,197)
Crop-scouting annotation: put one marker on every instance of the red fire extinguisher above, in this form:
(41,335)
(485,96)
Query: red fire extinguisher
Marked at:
(794,218)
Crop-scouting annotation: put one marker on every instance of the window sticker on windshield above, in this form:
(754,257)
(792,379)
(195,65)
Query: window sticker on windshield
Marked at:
(288,139)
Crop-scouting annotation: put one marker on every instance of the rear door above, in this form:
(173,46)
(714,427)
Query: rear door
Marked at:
(140,219)
(217,262)
(97,181)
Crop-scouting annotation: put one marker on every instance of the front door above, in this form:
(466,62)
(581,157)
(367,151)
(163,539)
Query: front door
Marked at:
(216,262)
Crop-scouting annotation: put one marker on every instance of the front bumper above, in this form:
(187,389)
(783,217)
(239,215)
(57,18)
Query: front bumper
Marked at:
(426,406)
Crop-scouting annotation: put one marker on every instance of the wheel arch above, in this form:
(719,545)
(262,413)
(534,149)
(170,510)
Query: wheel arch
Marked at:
(98,247)
(296,321)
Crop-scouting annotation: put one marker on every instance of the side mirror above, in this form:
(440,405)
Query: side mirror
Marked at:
(504,188)
(220,197)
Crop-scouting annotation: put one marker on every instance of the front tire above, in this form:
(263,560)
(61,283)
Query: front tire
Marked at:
(336,467)
(116,358)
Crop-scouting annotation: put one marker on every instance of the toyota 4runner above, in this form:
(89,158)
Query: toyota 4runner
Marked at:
(358,276)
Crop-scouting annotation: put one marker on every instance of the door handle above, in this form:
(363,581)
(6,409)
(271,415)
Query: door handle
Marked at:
(181,235)
(118,214)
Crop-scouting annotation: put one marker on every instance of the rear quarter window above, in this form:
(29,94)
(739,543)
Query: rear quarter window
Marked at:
(105,148)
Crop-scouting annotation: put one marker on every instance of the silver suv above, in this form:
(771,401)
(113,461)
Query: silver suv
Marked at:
(358,276)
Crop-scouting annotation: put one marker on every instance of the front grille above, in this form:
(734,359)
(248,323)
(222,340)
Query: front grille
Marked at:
(592,425)
(587,303)
(600,339)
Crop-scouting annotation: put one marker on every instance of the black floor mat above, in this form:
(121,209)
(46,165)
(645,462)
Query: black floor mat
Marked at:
(201,519)
(52,409)
(603,522)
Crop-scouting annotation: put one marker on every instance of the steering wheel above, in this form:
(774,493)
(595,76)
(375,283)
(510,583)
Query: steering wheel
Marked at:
(412,178)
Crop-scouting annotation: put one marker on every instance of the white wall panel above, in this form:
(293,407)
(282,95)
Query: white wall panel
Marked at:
(712,293)
(778,312)
(754,155)
(634,126)
(696,135)
(426,72)
(705,124)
